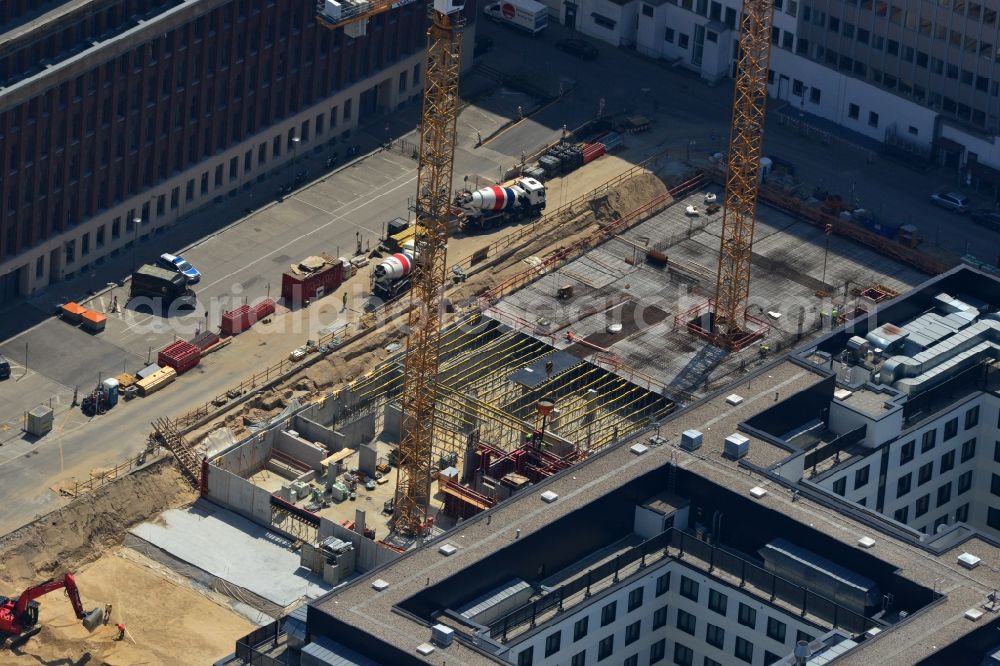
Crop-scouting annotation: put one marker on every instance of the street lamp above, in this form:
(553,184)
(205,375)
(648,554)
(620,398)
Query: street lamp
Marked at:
(295,154)
(136,221)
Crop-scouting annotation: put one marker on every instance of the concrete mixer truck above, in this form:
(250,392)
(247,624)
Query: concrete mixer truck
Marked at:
(391,276)
(489,207)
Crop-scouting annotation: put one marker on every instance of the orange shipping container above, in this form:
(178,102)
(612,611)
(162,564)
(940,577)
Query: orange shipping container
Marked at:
(72,312)
(93,321)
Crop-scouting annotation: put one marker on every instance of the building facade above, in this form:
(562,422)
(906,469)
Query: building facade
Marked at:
(920,75)
(119,117)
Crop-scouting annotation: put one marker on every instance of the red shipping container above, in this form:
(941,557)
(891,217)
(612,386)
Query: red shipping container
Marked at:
(180,355)
(297,289)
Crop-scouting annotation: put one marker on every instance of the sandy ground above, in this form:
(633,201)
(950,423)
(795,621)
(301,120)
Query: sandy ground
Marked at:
(170,622)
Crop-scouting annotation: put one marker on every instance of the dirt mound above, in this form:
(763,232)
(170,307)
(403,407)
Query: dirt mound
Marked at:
(169,621)
(82,530)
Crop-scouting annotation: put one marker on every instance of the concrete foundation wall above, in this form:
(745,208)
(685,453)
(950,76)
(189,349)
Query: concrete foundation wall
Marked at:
(369,553)
(393,418)
(357,432)
(236,493)
(314,432)
(300,449)
(248,457)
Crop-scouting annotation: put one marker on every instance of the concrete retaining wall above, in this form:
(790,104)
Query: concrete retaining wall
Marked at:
(248,457)
(369,553)
(238,494)
(300,449)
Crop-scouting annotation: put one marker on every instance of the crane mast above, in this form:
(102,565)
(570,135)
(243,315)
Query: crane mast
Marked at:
(746,138)
(432,210)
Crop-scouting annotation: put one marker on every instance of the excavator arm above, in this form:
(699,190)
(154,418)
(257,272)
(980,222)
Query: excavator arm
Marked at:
(72,591)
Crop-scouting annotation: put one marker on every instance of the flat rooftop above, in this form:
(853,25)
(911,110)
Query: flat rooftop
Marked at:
(615,284)
(358,607)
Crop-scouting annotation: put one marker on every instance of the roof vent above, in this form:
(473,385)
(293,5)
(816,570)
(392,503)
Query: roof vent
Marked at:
(442,634)
(758,492)
(638,449)
(447,549)
(425,649)
(968,560)
(866,542)
(378,585)
(549,497)
(734,399)
(973,614)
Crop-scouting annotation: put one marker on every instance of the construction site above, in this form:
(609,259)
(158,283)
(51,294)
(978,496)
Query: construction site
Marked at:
(515,358)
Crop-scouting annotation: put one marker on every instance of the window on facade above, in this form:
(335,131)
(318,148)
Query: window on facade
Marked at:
(663,582)
(605,647)
(580,628)
(962,513)
(635,598)
(995,484)
(900,515)
(993,518)
(682,41)
(715,636)
(631,661)
(861,477)
(968,450)
(660,618)
(923,504)
(608,613)
(710,662)
(943,494)
(815,94)
(964,482)
(747,616)
(744,650)
(647,10)
(525,657)
(689,588)
(906,451)
(947,462)
(925,473)
(872,119)
(686,622)
(972,417)
(579,659)
(950,429)
(717,601)
(776,629)
(853,111)
(683,655)
(632,632)
(552,643)
(840,486)
(657,651)
(798,88)
(903,485)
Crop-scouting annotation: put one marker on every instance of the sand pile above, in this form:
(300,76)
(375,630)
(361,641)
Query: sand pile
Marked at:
(81,531)
(170,622)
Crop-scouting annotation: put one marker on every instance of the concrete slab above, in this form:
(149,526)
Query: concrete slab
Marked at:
(234,549)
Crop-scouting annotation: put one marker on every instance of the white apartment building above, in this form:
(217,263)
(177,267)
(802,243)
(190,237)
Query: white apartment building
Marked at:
(674,614)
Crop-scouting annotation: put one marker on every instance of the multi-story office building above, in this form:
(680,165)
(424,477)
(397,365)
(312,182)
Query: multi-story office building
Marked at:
(123,110)
(686,545)
(922,75)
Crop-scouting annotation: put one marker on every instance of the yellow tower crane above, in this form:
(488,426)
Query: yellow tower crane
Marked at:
(746,139)
(432,209)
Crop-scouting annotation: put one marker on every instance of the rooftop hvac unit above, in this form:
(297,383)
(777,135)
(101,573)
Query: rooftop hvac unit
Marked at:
(691,440)
(736,446)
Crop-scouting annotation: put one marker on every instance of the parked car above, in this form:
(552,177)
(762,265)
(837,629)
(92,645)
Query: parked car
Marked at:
(4,368)
(578,48)
(178,264)
(987,218)
(952,201)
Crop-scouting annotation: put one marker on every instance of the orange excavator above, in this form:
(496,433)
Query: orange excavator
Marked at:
(19,616)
